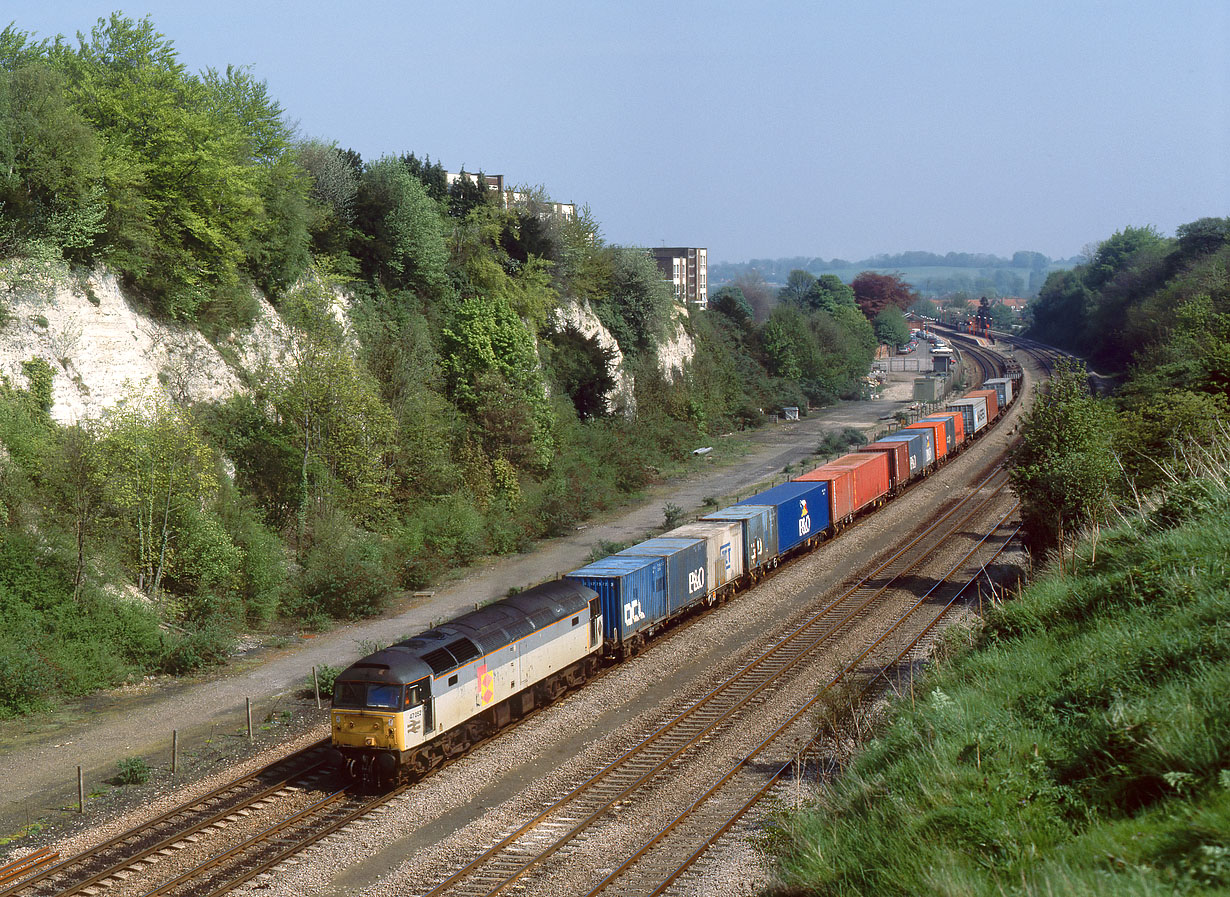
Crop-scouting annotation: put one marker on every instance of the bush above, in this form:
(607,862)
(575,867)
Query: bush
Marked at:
(325,675)
(346,574)
(192,651)
(133,771)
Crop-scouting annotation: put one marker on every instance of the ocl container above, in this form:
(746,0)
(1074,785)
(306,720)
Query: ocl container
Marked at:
(723,549)
(973,412)
(632,590)
(871,478)
(802,511)
(686,568)
(899,466)
(926,448)
(916,443)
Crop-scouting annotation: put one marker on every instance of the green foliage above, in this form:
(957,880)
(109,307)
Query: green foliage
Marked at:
(1080,749)
(132,771)
(326,675)
(399,237)
(346,571)
(891,328)
(153,466)
(639,306)
(492,369)
(1063,467)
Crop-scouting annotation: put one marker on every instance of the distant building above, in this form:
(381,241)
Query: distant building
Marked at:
(510,198)
(687,268)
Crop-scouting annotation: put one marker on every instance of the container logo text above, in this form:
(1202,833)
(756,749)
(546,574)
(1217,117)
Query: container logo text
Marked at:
(696,580)
(633,613)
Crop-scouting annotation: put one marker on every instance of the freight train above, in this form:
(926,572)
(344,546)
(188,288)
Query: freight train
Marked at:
(401,711)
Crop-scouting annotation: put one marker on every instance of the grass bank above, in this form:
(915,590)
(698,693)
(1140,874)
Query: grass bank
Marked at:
(1081,746)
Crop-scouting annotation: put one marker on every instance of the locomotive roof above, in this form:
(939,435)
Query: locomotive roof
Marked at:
(473,634)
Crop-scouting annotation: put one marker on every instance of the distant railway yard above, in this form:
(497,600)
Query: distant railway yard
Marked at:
(655,776)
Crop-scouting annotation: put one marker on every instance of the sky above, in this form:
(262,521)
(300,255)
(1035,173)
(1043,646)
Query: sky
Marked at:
(818,128)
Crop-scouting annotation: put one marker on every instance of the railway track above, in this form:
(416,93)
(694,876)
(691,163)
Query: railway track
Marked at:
(670,853)
(567,822)
(162,836)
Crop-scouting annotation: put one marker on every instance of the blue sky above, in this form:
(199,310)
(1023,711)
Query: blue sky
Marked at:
(768,129)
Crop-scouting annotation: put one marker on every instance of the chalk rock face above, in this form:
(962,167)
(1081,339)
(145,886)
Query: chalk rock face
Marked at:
(580,317)
(677,349)
(102,349)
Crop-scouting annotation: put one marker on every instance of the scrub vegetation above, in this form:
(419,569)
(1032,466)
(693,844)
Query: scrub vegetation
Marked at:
(449,417)
(1080,744)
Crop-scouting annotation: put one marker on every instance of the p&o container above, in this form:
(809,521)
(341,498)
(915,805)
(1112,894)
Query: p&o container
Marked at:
(802,511)
(686,568)
(723,549)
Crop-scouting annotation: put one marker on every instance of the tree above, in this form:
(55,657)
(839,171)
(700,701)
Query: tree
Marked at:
(730,301)
(153,465)
(638,310)
(830,293)
(875,292)
(1064,467)
(798,285)
(402,239)
(891,328)
(50,164)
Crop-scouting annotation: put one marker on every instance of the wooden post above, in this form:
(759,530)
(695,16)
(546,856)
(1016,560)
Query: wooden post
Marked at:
(316,686)
(80,791)
(249,701)
(174,751)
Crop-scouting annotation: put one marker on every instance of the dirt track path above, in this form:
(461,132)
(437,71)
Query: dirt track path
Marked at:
(39,756)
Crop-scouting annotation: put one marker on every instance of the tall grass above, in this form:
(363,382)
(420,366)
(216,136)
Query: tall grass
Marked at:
(1081,747)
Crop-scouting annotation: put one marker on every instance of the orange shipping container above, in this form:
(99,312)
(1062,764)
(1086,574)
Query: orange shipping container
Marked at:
(898,459)
(941,435)
(958,421)
(841,490)
(871,476)
(992,398)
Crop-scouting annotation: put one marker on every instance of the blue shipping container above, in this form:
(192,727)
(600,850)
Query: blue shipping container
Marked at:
(922,447)
(759,524)
(686,564)
(633,593)
(802,511)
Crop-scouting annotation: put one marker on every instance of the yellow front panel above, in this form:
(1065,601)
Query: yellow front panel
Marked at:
(368,728)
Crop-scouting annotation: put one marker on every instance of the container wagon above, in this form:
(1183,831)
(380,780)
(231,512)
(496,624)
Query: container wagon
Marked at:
(633,596)
(841,491)
(871,478)
(723,554)
(901,463)
(992,401)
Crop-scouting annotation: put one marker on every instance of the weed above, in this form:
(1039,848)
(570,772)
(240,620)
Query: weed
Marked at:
(133,771)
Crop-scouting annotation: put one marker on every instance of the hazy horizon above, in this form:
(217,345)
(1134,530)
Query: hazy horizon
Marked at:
(791,129)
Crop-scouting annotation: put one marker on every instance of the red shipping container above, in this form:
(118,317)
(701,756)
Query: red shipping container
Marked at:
(871,477)
(841,490)
(958,421)
(941,435)
(992,398)
(898,460)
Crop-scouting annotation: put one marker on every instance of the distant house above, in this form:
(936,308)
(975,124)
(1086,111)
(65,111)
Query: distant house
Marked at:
(687,269)
(510,198)
(1016,303)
